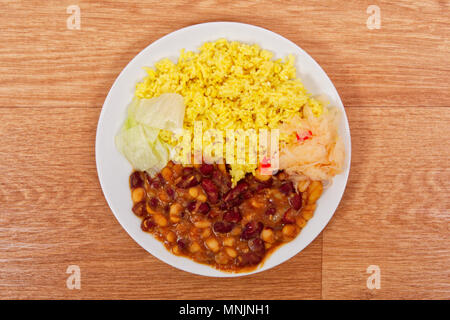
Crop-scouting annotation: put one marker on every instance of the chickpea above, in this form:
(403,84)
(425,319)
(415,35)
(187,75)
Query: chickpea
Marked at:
(229,242)
(194,247)
(202,224)
(160,220)
(256,203)
(222,167)
(175,209)
(163,196)
(167,174)
(262,177)
(201,197)
(308,215)
(212,244)
(302,185)
(138,195)
(150,210)
(171,237)
(289,231)
(206,233)
(267,235)
(278,235)
(193,192)
(315,190)
(221,258)
(177,170)
(308,211)
(301,222)
(174,218)
(277,194)
(231,252)
(236,231)
(176,250)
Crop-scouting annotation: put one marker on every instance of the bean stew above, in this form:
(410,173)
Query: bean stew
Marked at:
(196,213)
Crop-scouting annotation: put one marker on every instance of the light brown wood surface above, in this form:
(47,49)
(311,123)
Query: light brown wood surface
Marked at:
(395,212)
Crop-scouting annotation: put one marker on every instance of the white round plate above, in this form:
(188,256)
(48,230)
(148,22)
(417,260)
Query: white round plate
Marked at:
(114,170)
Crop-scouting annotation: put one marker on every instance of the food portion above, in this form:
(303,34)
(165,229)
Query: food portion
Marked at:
(317,151)
(231,85)
(139,139)
(196,213)
(231,212)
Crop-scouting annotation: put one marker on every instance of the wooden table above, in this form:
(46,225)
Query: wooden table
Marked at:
(394,82)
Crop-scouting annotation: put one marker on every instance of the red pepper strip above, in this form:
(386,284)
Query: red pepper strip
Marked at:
(265,163)
(305,136)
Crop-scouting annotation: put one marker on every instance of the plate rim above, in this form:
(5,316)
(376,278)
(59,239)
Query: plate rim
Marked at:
(220,273)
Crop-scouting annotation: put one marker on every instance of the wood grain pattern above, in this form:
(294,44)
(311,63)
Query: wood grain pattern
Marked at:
(404,63)
(395,212)
(53,215)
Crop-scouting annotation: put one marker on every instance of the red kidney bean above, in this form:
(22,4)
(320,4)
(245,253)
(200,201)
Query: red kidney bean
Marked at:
(211,190)
(289,216)
(135,180)
(191,206)
(139,209)
(203,208)
(235,202)
(167,208)
(213,214)
(213,197)
(249,259)
(271,211)
(222,181)
(209,186)
(232,197)
(217,176)
(156,184)
(232,215)
(187,182)
(287,188)
(170,192)
(147,224)
(296,201)
(182,244)
(222,206)
(206,169)
(222,227)
(252,230)
(161,178)
(199,177)
(247,195)
(153,202)
(187,171)
(264,184)
(257,246)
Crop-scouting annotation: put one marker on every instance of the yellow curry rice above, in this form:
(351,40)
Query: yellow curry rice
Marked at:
(231,85)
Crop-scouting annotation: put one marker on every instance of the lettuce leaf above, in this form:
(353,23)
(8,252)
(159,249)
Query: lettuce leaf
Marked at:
(163,112)
(138,139)
(135,145)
